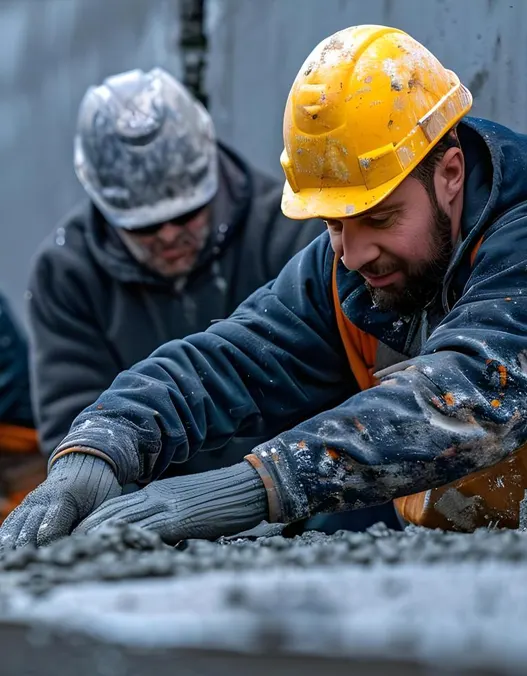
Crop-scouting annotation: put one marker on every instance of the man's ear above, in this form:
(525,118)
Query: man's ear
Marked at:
(449,177)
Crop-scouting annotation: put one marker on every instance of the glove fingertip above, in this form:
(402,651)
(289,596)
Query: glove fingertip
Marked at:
(57,522)
(13,527)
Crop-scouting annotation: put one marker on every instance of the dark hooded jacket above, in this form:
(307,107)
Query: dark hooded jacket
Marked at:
(15,405)
(279,358)
(94,311)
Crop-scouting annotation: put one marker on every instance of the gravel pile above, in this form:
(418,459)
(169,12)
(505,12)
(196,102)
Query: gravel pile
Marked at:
(122,551)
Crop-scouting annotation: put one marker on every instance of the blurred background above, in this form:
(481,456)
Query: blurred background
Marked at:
(240,56)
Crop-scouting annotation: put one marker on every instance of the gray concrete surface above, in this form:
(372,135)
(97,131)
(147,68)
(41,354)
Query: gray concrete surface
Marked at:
(412,602)
(61,655)
(443,617)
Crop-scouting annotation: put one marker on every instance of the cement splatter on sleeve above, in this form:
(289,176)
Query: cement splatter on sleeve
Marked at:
(459,407)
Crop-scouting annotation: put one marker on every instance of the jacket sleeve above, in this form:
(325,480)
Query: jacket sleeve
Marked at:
(459,407)
(70,362)
(276,360)
(15,404)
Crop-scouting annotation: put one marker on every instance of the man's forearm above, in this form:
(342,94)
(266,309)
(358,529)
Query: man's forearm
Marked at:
(221,502)
(196,394)
(208,505)
(395,439)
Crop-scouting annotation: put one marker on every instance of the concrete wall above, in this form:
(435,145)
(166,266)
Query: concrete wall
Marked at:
(258,46)
(50,52)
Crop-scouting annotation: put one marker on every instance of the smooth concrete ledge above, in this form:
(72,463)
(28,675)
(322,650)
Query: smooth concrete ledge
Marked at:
(446,618)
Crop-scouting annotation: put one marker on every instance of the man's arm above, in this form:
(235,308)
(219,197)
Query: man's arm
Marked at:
(70,362)
(277,358)
(459,407)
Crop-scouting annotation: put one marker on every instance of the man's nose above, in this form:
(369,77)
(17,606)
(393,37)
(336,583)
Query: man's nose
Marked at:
(167,232)
(358,245)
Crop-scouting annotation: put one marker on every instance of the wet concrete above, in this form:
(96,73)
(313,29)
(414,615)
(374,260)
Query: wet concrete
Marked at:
(381,602)
(121,551)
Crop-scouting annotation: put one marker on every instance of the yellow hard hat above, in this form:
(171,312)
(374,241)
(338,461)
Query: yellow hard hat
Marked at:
(366,107)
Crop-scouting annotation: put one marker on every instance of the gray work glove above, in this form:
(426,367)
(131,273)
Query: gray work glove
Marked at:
(207,505)
(76,485)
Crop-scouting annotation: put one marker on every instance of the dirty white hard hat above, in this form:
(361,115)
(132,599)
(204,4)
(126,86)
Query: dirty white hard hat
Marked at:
(145,149)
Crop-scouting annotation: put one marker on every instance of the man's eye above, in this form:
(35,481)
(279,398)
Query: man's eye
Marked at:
(380,221)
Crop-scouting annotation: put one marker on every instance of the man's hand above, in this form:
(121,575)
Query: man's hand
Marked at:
(77,484)
(220,502)
(155,507)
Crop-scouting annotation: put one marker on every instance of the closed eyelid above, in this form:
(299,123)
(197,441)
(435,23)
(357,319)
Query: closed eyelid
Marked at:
(384,218)
(381,215)
(385,210)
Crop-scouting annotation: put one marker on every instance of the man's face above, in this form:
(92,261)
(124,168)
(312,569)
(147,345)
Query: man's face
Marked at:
(172,248)
(401,247)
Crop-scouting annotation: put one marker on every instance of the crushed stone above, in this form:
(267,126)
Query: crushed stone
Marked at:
(382,602)
(122,551)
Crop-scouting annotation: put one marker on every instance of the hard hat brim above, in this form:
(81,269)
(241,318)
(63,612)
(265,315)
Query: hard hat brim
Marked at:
(345,202)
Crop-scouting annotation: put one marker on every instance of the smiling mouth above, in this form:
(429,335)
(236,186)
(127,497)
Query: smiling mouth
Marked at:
(378,281)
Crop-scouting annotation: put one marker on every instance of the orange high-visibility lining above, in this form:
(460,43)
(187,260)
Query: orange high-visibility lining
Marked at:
(22,466)
(475,250)
(490,497)
(360,347)
(16,439)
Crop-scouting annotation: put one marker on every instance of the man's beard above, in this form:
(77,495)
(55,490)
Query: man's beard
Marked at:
(422,281)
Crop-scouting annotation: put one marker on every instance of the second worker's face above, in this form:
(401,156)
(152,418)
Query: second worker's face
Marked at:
(172,248)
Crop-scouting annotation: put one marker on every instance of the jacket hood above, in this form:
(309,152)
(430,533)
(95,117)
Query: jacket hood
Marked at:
(495,162)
